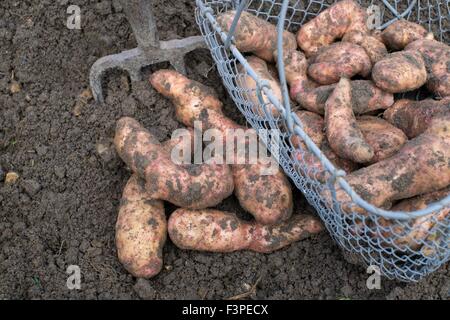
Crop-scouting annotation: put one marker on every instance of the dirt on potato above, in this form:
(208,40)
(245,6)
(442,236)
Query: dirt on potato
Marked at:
(62,209)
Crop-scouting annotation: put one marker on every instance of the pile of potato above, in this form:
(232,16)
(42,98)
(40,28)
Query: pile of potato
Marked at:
(142,227)
(345,80)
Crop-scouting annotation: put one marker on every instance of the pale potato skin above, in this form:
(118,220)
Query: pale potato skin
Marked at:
(376,50)
(253,190)
(366,97)
(421,166)
(419,228)
(437,60)
(383,137)
(414,117)
(261,69)
(400,72)
(341,59)
(330,25)
(189,186)
(314,125)
(343,134)
(220,231)
(141,230)
(255,35)
(401,33)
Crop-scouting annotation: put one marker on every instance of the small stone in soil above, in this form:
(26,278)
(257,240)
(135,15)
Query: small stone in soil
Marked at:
(11,177)
(15,87)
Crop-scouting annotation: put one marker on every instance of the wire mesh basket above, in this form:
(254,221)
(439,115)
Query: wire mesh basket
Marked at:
(403,245)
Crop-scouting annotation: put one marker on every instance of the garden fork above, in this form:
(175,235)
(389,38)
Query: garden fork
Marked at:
(149,51)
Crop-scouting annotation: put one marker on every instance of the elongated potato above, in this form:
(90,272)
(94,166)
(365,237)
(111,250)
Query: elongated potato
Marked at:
(343,134)
(253,188)
(219,231)
(401,33)
(417,231)
(189,186)
(255,35)
(400,72)
(421,166)
(330,25)
(341,59)
(383,137)
(414,117)
(375,49)
(366,97)
(437,61)
(314,125)
(141,230)
(261,69)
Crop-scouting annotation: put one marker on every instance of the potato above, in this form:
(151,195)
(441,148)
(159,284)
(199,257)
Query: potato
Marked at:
(219,231)
(416,232)
(341,59)
(384,138)
(437,61)
(414,117)
(375,49)
(261,69)
(189,186)
(421,166)
(313,125)
(401,33)
(255,35)
(400,72)
(253,190)
(330,25)
(343,134)
(141,230)
(366,96)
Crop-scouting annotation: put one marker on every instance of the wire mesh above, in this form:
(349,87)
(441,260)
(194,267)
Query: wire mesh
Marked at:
(404,245)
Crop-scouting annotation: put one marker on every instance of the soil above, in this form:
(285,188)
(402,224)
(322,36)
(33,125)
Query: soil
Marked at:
(62,209)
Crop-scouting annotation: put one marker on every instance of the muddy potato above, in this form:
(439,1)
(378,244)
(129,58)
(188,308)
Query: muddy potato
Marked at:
(219,231)
(437,61)
(400,72)
(141,230)
(366,97)
(421,166)
(401,33)
(412,235)
(261,69)
(277,204)
(376,50)
(255,35)
(343,134)
(268,197)
(189,186)
(383,137)
(341,59)
(330,25)
(313,125)
(414,117)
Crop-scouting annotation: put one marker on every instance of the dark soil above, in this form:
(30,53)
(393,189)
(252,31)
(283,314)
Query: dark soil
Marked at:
(63,208)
